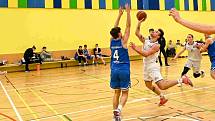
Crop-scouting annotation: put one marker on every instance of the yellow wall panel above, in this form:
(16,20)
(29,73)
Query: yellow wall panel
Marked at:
(49,4)
(181,2)
(134,4)
(65,3)
(80,4)
(12,3)
(95,4)
(208,2)
(191,5)
(162,4)
(200,5)
(108,4)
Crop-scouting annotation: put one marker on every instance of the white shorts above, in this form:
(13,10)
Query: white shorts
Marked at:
(195,65)
(151,72)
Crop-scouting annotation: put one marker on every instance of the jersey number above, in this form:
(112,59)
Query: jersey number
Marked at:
(116,55)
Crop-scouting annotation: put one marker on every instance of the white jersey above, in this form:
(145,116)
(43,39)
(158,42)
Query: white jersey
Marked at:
(193,52)
(152,58)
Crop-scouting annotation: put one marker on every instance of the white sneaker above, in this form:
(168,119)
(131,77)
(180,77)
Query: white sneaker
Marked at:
(116,115)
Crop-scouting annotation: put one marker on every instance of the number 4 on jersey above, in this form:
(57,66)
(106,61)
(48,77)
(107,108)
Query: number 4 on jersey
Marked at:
(115,55)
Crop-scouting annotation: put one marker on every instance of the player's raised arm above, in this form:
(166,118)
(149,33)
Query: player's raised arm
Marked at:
(137,32)
(202,28)
(128,25)
(118,17)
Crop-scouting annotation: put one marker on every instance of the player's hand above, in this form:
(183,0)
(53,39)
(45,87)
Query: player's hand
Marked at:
(127,7)
(120,11)
(132,45)
(175,14)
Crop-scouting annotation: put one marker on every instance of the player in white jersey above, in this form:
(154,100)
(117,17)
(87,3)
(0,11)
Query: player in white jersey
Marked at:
(151,68)
(194,57)
(203,28)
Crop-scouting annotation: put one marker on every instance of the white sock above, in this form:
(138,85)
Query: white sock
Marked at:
(120,107)
(161,95)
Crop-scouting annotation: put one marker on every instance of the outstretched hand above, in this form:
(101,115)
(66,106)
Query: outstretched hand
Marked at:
(127,7)
(175,14)
(140,21)
(120,11)
(132,45)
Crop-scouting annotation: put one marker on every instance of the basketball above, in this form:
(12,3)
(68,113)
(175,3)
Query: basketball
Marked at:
(141,15)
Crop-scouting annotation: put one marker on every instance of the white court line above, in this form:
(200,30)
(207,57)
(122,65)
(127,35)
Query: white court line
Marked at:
(11,102)
(170,117)
(133,101)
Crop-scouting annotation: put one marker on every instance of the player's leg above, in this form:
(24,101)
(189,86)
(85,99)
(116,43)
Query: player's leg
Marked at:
(152,87)
(148,82)
(196,69)
(187,67)
(185,70)
(115,84)
(125,82)
(156,90)
(103,61)
(116,97)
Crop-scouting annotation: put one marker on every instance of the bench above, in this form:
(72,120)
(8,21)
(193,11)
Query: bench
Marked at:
(54,64)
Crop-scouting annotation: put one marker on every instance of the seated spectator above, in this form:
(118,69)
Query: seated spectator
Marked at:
(87,54)
(178,43)
(45,56)
(170,49)
(29,53)
(3,62)
(98,54)
(80,56)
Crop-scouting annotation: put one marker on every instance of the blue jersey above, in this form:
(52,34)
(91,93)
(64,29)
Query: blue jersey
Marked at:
(211,51)
(119,55)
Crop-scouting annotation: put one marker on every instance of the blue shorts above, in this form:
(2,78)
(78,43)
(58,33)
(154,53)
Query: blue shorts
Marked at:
(120,79)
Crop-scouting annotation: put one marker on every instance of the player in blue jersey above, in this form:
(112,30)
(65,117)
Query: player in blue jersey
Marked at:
(210,47)
(206,29)
(120,64)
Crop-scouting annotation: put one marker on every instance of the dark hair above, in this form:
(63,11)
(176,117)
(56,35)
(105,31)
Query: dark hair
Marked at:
(44,48)
(85,45)
(151,30)
(34,47)
(115,31)
(97,44)
(191,35)
(161,32)
(80,46)
(178,40)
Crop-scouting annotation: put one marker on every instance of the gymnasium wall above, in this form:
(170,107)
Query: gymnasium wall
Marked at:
(66,29)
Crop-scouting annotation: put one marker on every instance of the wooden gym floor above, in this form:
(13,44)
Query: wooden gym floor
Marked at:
(83,94)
